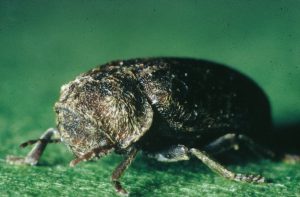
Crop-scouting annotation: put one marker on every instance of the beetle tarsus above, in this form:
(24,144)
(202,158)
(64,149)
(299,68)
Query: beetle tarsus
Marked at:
(249,178)
(119,189)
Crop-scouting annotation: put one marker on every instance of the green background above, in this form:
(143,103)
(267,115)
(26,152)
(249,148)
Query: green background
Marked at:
(44,44)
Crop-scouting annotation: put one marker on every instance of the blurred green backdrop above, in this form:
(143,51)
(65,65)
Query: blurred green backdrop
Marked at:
(44,44)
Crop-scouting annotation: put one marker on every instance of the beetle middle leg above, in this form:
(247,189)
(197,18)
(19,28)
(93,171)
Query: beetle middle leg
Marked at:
(180,152)
(36,152)
(234,141)
(96,152)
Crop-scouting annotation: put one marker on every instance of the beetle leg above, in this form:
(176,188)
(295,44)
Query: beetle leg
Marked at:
(95,152)
(45,141)
(291,158)
(172,154)
(221,170)
(180,152)
(254,147)
(233,141)
(120,170)
(36,152)
(222,144)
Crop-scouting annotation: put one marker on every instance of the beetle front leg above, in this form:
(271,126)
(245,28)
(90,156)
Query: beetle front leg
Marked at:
(120,170)
(95,152)
(221,170)
(36,152)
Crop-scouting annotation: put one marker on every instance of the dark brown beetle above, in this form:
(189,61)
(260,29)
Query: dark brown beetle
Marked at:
(170,108)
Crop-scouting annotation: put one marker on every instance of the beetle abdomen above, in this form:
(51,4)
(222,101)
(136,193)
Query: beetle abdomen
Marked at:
(196,96)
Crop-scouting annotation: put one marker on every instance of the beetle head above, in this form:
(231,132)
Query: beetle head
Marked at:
(95,113)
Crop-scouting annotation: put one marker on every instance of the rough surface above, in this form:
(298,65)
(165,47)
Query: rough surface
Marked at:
(144,178)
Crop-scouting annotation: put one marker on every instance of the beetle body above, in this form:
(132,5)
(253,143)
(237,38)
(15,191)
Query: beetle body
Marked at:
(185,101)
(170,108)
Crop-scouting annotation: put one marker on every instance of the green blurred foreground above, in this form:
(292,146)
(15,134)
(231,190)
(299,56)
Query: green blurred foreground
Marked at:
(144,178)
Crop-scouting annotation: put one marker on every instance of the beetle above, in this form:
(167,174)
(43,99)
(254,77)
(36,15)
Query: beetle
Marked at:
(169,108)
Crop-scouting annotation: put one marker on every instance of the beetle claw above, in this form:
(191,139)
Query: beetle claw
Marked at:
(119,188)
(249,178)
(74,162)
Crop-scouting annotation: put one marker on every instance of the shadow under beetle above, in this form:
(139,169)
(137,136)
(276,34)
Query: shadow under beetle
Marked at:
(169,108)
